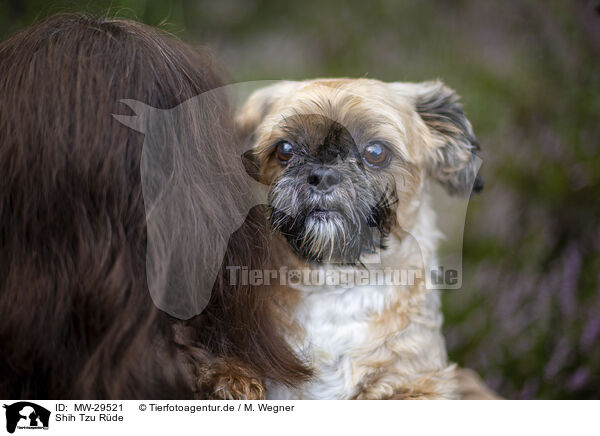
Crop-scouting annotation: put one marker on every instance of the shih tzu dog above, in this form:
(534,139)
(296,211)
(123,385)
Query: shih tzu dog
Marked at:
(349,164)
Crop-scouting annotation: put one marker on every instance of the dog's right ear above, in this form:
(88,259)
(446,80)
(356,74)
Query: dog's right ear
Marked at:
(259,105)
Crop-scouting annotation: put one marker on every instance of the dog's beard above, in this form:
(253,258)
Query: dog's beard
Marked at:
(336,227)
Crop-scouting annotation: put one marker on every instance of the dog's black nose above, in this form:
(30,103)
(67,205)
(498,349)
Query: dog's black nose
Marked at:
(324,178)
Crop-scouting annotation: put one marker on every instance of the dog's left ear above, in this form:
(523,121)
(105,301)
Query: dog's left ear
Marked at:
(453,161)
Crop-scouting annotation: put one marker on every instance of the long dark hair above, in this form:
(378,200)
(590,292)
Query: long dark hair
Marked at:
(76,318)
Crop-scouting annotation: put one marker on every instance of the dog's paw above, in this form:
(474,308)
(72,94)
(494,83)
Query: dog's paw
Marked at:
(236,387)
(230,380)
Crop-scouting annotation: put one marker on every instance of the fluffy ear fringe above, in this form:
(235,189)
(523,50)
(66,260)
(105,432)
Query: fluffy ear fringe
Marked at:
(259,105)
(454,163)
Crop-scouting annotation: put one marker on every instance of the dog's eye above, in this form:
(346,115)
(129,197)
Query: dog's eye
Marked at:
(376,154)
(285,151)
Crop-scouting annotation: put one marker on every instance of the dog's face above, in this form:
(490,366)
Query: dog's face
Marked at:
(346,160)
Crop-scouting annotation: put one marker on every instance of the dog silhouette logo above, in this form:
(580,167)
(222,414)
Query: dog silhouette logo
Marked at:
(26,415)
(186,241)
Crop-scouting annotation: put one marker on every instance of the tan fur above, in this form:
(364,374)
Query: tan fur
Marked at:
(404,355)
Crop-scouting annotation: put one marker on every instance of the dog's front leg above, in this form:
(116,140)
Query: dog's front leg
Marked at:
(434,385)
(215,377)
(228,379)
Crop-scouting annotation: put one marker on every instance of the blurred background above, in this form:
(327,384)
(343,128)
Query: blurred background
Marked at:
(528,316)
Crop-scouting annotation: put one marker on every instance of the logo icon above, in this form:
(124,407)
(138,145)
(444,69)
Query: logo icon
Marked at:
(26,415)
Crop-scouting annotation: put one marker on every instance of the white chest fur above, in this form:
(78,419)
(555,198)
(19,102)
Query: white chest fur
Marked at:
(351,334)
(337,326)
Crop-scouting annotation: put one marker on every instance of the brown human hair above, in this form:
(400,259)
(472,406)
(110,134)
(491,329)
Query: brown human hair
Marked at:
(76,317)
